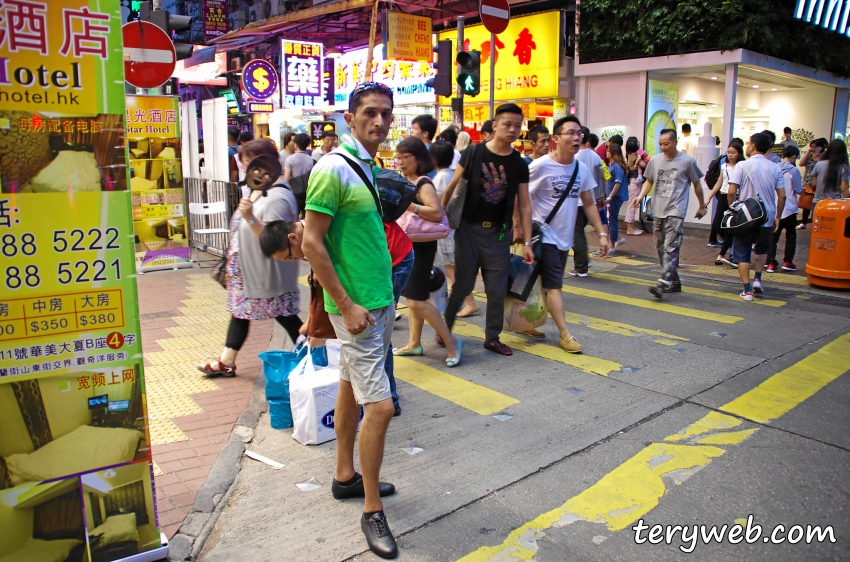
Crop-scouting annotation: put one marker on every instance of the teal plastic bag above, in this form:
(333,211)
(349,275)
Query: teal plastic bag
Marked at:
(277,364)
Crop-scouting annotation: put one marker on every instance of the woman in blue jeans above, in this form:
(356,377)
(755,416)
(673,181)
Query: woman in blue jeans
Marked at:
(616,193)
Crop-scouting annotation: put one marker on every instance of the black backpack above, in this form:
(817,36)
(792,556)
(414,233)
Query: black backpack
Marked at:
(713,172)
(298,186)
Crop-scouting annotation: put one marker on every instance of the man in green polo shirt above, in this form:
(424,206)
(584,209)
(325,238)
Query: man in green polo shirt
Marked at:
(345,243)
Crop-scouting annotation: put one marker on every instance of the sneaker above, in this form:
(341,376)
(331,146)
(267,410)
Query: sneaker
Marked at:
(730,263)
(771,268)
(577,273)
(658,291)
(758,288)
(714,244)
(569,345)
(674,288)
(718,261)
(378,535)
(597,254)
(746,295)
(620,242)
(789,266)
(801,226)
(499,348)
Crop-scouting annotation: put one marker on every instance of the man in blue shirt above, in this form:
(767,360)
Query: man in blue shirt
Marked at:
(759,178)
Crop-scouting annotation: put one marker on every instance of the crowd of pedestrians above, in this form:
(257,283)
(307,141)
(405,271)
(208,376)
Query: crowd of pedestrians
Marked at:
(543,202)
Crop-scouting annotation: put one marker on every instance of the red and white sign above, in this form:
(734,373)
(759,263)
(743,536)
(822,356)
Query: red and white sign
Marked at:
(495,14)
(149,57)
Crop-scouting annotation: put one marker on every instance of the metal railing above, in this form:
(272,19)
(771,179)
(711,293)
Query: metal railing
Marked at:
(211,191)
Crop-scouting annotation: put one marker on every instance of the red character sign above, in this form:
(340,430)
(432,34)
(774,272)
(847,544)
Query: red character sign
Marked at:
(524,45)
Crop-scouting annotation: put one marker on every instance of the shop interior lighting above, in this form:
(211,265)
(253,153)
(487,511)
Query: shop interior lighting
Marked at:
(714,77)
(333,52)
(773,89)
(755,85)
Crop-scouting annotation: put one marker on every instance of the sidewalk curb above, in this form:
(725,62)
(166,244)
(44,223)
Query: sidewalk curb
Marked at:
(221,482)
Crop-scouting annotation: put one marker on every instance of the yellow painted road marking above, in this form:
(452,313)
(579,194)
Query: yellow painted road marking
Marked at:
(668,343)
(465,394)
(551,351)
(691,290)
(601,324)
(783,391)
(652,305)
(774,278)
(634,488)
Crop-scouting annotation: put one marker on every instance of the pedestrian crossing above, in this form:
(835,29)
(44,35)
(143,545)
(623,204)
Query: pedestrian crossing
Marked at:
(728,295)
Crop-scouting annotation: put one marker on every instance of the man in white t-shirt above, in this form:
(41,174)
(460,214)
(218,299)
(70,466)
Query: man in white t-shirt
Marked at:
(549,177)
(688,141)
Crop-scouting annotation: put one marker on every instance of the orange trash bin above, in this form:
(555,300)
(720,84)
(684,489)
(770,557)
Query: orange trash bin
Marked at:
(829,251)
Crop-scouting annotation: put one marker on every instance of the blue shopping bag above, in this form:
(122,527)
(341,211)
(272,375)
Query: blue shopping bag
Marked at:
(277,364)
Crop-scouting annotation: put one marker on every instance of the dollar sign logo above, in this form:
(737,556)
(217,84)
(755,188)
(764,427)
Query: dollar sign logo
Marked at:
(260,81)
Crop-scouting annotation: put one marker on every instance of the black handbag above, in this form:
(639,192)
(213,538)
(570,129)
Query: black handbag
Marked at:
(522,276)
(393,194)
(744,216)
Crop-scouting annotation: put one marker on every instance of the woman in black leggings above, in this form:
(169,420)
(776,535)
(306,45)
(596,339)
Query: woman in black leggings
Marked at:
(258,288)
(734,154)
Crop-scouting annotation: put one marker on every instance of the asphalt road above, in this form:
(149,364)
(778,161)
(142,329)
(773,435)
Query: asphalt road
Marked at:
(701,411)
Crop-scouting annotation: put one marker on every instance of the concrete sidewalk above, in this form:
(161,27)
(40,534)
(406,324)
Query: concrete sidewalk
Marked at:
(191,417)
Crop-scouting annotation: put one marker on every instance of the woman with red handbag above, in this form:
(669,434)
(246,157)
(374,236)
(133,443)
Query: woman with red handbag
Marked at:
(414,162)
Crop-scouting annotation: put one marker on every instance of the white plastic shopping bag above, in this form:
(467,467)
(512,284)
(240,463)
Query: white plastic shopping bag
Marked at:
(313,393)
(522,316)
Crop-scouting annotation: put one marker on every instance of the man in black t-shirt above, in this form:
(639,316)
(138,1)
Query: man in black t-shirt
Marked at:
(484,236)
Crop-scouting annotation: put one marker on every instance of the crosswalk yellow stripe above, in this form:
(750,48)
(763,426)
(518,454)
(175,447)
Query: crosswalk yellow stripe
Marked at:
(691,290)
(602,325)
(473,397)
(586,363)
(652,305)
(634,488)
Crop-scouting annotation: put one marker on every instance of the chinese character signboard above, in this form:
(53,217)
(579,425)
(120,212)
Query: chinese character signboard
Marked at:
(526,57)
(662,103)
(75,435)
(215,18)
(156,183)
(303,69)
(407,37)
(406,78)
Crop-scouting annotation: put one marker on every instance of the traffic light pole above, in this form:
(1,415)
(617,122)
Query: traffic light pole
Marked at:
(492,73)
(460,21)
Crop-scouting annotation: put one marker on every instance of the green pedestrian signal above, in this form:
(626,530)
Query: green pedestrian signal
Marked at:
(469,77)
(469,84)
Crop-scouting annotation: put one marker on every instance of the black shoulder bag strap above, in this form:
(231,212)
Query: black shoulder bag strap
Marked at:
(563,196)
(359,171)
(474,178)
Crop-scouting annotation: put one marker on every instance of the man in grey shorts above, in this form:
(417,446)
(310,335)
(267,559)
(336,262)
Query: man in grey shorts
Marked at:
(342,222)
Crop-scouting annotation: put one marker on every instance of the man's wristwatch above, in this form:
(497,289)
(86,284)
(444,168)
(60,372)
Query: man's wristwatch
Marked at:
(603,234)
(529,243)
(251,221)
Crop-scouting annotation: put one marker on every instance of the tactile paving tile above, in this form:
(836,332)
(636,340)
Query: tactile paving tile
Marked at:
(156,470)
(628,261)
(173,375)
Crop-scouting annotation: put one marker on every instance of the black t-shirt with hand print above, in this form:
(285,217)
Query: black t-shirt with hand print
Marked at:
(500,179)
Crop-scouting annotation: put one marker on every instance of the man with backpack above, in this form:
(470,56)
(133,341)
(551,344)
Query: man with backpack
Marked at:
(557,181)
(756,178)
(497,176)
(345,243)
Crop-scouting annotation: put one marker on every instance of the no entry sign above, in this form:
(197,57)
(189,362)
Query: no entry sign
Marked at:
(149,57)
(495,14)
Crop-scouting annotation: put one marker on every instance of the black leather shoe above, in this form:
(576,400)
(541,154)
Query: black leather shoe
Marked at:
(378,535)
(355,490)
(657,291)
(674,288)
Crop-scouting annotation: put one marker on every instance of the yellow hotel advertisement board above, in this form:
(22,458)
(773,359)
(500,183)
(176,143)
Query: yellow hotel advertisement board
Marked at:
(408,37)
(526,58)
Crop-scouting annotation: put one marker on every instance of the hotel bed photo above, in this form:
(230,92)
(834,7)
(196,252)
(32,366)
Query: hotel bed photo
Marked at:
(42,523)
(54,427)
(120,512)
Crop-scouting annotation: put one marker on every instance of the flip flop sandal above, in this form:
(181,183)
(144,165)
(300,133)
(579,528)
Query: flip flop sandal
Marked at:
(223,370)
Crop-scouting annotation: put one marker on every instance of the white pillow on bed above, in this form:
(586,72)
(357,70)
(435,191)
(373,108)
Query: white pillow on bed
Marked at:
(117,528)
(85,448)
(42,551)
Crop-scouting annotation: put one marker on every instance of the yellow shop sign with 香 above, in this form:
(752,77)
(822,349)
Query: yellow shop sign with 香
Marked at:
(526,58)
